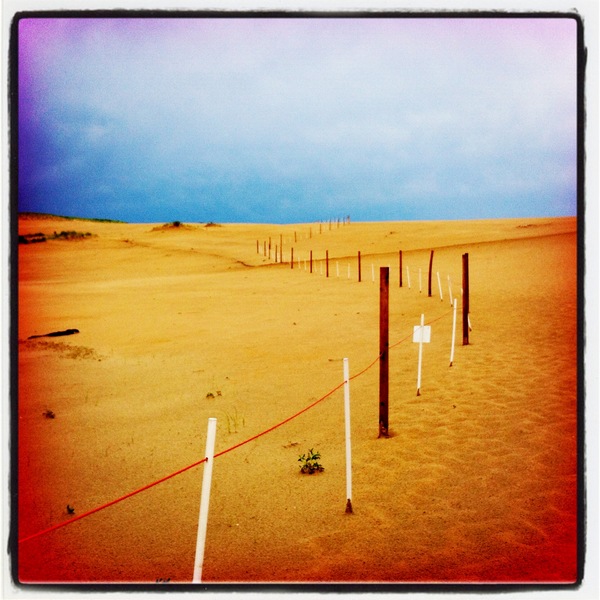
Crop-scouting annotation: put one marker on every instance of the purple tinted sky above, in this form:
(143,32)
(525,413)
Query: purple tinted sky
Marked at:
(283,120)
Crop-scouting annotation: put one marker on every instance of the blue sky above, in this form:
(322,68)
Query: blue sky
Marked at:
(296,120)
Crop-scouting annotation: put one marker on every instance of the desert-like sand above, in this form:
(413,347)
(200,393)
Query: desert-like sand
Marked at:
(476,483)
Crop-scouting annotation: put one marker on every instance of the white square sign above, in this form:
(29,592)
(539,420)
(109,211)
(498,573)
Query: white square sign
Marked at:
(426,334)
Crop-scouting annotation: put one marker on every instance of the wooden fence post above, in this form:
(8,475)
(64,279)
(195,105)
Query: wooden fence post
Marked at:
(465,298)
(429,280)
(359,274)
(327,263)
(400,266)
(311,261)
(384,288)
(292,259)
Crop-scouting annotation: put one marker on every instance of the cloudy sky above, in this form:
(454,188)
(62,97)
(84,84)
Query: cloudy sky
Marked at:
(297,119)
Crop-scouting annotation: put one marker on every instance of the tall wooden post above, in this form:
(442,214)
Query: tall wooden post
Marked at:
(311,261)
(327,263)
(430,269)
(359,273)
(384,291)
(400,266)
(292,259)
(265,248)
(465,298)
(257,250)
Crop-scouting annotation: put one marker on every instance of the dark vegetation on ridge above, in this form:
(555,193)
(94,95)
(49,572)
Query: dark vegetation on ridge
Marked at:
(33,238)
(36,215)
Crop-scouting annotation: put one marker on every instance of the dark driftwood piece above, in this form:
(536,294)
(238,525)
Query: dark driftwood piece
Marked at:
(55,333)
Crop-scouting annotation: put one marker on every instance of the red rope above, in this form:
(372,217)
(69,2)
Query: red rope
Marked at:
(146,487)
(99,508)
(184,469)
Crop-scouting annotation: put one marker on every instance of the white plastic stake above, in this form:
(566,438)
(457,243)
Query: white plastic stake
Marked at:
(205,499)
(408,276)
(453,334)
(440,286)
(450,290)
(420,354)
(348,445)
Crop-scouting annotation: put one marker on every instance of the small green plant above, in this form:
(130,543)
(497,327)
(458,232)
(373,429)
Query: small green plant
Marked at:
(309,462)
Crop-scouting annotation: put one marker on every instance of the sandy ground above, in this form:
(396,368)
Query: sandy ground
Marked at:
(476,483)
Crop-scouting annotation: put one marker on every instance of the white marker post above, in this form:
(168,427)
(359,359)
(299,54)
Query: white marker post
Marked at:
(408,276)
(421,335)
(440,286)
(205,499)
(450,290)
(453,334)
(348,445)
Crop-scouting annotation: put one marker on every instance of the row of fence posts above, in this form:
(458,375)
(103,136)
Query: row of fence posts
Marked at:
(384,281)
(267,247)
(465,275)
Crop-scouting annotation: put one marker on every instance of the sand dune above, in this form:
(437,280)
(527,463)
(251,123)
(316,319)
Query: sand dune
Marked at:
(476,483)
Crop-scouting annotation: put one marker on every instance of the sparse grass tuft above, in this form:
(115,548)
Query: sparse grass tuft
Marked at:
(234,420)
